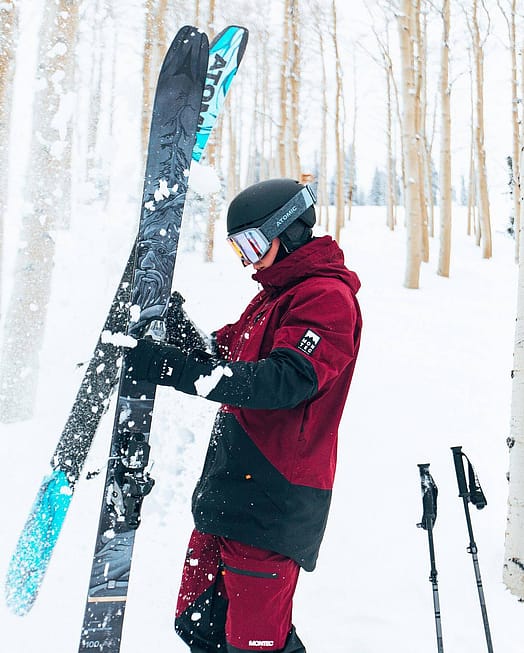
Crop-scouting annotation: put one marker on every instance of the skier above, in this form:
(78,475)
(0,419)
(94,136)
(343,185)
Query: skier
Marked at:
(282,373)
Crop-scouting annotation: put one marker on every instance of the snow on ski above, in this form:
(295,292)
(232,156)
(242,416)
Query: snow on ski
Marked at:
(42,528)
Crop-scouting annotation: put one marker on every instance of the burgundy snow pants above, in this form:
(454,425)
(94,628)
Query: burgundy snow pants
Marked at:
(235,597)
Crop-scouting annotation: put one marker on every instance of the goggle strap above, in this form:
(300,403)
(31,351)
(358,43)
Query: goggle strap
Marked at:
(291,211)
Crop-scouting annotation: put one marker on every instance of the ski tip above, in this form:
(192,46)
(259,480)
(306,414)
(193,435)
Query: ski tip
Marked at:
(229,33)
(36,542)
(190,31)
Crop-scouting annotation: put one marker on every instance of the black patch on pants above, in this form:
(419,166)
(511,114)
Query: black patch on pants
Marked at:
(206,632)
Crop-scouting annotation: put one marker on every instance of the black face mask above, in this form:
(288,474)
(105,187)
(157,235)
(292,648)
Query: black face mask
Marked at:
(281,254)
(296,235)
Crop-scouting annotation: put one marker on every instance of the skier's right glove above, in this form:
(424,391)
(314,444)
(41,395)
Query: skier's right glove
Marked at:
(155,362)
(180,330)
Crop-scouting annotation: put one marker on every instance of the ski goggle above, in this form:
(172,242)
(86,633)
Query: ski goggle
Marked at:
(250,245)
(254,243)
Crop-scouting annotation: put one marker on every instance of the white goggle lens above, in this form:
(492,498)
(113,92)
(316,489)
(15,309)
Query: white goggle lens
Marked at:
(250,245)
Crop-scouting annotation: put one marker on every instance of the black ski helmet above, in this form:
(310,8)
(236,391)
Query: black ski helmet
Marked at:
(254,205)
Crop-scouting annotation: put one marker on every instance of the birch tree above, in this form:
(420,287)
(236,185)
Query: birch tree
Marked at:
(390,158)
(472,173)
(445,147)
(339,130)
(8,34)
(406,27)
(323,197)
(513,572)
(212,156)
(93,142)
(509,11)
(294,83)
(352,164)
(481,178)
(155,46)
(283,154)
(418,23)
(386,63)
(49,207)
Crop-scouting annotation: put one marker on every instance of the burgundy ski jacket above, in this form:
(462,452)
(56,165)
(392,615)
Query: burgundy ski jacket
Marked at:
(284,371)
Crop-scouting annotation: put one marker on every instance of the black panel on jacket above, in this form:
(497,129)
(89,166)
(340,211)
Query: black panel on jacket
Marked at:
(282,380)
(242,496)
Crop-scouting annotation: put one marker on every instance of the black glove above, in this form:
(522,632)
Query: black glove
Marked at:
(180,330)
(155,362)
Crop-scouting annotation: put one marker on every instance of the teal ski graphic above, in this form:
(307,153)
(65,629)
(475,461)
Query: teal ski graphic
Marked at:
(220,73)
(43,526)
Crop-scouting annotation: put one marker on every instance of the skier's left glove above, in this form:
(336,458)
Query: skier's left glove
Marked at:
(155,362)
(180,330)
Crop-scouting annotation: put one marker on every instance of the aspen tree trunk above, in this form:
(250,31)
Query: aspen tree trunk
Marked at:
(480,152)
(352,148)
(265,117)
(114,52)
(472,184)
(255,147)
(283,152)
(294,84)
(428,176)
(390,200)
(252,147)
(147,89)
(400,121)
(323,197)
(232,123)
(339,133)
(510,18)
(197,12)
(213,149)
(155,45)
(95,95)
(515,128)
(8,34)
(513,572)
(49,205)
(100,98)
(410,147)
(212,158)
(445,148)
(419,58)
(232,182)
(391,90)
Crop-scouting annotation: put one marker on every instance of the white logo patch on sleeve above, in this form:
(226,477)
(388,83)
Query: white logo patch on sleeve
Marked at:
(309,342)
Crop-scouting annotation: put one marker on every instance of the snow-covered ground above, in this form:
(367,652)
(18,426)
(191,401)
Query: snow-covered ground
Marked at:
(434,372)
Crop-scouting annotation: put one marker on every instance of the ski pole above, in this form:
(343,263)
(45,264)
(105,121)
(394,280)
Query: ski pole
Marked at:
(472,493)
(429,515)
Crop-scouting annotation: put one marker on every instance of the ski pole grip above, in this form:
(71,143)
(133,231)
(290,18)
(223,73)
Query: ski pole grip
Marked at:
(429,498)
(459,470)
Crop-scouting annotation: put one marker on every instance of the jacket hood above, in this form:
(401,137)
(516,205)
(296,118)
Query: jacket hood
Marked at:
(321,257)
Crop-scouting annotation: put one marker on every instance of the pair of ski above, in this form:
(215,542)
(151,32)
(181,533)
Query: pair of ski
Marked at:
(471,492)
(192,86)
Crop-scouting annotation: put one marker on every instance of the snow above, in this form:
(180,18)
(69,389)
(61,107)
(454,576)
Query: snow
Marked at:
(118,339)
(434,372)
(203,179)
(205,384)
(162,191)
